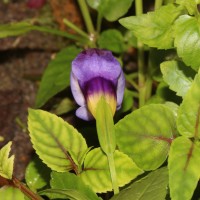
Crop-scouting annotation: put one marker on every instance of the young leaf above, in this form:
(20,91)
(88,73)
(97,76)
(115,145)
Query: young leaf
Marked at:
(56,76)
(186,33)
(58,144)
(184,173)
(37,174)
(146,134)
(71,182)
(112,40)
(188,119)
(153,186)
(178,76)
(111,9)
(154,28)
(6,162)
(8,193)
(96,170)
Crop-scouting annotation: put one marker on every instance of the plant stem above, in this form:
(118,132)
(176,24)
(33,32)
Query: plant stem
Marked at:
(26,190)
(141,66)
(158,4)
(75,28)
(99,21)
(86,15)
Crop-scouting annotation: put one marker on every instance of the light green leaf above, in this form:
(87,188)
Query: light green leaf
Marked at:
(112,40)
(184,173)
(178,76)
(154,28)
(96,170)
(73,183)
(190,5)
(11,193)
(188,120)
(37,174)
(6,162)
(146,134)
(153,186)
(111,9)
(58,144)
(56,76)
(186,33)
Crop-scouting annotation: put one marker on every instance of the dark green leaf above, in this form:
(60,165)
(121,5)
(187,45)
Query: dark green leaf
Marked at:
(153,186)
(57,75)
(111,9)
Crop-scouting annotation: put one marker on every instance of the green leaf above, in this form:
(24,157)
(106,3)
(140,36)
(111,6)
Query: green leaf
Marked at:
(190,5)
(127,103)
(23,27)
(8,193)
(111,9)
(146,134)
(37,174)
(58,144)
(188,120)
(186,33)
(178,76)
(154,28)
(56,76)
(96,170)
(6,162)
(184,173)
(72,183)
(153,186)
(112,40)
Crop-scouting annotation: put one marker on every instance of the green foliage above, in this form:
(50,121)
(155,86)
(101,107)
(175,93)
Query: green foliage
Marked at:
(154,28)
(57,75)
(111,9)
(153,186)
(178,76)
(11,193)
(186,31)
(189,112)
(112,40)
(145,135)
(37,174)
(184,162)
(96,170)
(6,161)
(58,144)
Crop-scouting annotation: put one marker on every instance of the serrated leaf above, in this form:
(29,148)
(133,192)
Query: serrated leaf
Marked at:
(154,28)
(37,174)
(56,76)
(188,120)
(178,76)
(6,162)
(111,9)
(73,184)
(96,170)
(112,40)
(59,145)
(153,186)
(146,134)
(11,193)
(184,162)
(186,33)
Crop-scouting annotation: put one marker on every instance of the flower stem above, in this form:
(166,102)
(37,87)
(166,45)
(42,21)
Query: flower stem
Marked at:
(86,15)
(75,28)
(158,4)
(99,21)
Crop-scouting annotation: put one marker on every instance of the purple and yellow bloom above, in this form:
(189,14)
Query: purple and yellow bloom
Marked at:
(95,74)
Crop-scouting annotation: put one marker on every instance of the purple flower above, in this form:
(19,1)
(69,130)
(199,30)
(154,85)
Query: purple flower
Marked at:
(95,74)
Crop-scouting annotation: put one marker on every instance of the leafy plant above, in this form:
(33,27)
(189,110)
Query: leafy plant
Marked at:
(153,151)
